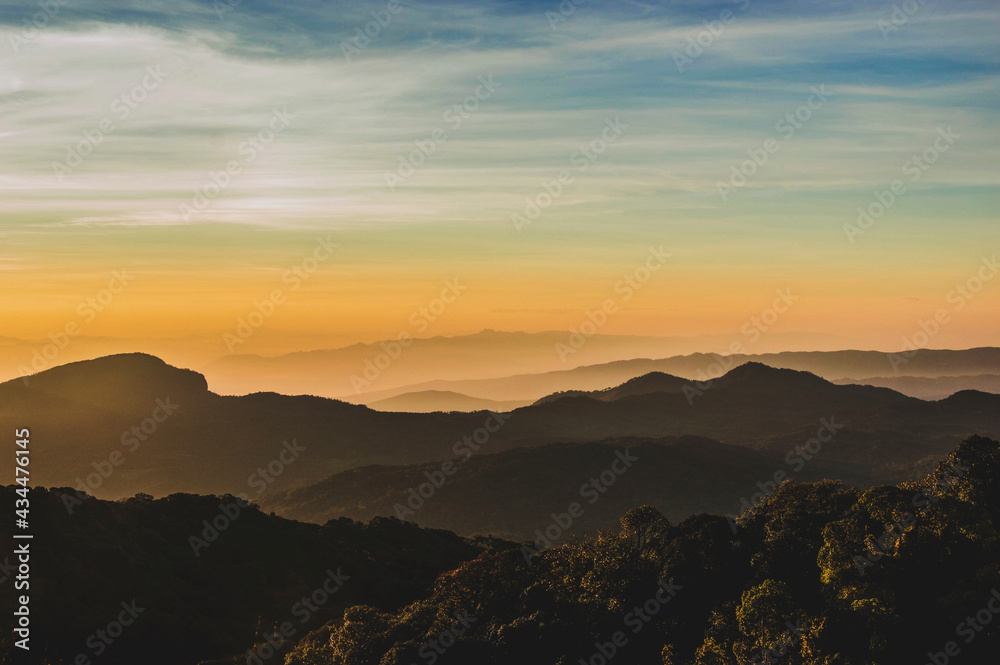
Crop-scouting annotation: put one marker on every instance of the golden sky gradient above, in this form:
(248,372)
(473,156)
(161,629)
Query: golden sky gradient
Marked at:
(116,132)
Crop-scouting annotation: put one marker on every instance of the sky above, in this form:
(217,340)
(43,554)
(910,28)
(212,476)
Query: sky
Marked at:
(170,168)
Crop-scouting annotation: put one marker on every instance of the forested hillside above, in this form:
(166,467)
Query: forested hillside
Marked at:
(818,574)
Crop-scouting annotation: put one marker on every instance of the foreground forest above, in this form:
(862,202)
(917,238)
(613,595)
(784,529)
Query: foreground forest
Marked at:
(199,577)
(813,574)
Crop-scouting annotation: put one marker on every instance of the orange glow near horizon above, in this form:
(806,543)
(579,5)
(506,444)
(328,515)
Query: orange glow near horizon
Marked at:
(350,297)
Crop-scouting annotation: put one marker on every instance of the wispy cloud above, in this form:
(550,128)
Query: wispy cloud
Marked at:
(224,76)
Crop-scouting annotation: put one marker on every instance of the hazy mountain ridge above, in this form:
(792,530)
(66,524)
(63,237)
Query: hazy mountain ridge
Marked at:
(429,401)
(359,369)
(511,494)
(844,366)
(874,442)
(932,388)
(207,443)
(81,415)
(653,382)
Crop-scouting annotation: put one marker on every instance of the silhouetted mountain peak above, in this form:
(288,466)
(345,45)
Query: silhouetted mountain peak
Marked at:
(764,376)
(653,382)
(971,398)
(756,369)
(118,378)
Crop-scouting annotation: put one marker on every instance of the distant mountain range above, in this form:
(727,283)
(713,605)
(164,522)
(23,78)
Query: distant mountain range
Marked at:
(95,427)
(922,387)
(842,366)
(429,401)
(932,387)
(866,435)
(513,493)
(654,382)
(354,371)
(87,415)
